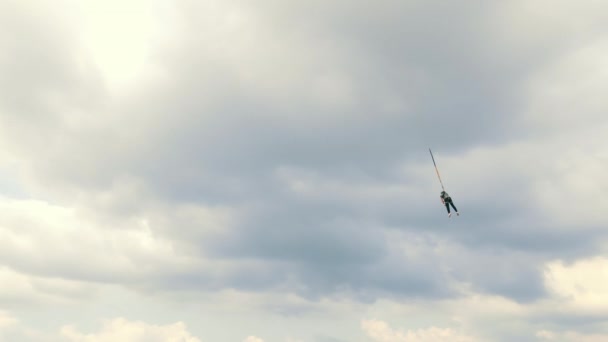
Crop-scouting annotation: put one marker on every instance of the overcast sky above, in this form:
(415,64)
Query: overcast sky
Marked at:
(259,171)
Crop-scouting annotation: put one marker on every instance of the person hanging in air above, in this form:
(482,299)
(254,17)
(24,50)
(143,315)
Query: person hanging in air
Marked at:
(447,201)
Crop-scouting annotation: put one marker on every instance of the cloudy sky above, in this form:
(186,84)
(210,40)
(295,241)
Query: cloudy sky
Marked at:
(258,171)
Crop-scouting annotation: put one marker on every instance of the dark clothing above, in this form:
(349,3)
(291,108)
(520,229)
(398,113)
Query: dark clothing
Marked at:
(447,200)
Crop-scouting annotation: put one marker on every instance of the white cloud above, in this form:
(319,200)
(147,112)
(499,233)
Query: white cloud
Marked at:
(54,240)
(6,320)
(253,339)
(124,52)
(120,329)
(582,285)
(20,288)
(570,336)
(380,331)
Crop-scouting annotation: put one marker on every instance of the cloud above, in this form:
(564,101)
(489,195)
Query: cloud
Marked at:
(570,336)
(6,320)
(581,286)
(253,339)
(381,332)
(52,240)
(26,290)
(276,153)
(120,329)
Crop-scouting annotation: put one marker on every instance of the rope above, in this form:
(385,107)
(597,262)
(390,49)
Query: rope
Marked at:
(436,170)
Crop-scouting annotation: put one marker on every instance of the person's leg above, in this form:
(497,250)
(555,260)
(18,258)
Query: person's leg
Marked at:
(453,206)
(447,206)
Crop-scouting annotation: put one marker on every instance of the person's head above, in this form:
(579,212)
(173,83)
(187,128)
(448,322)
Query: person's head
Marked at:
(443,192)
